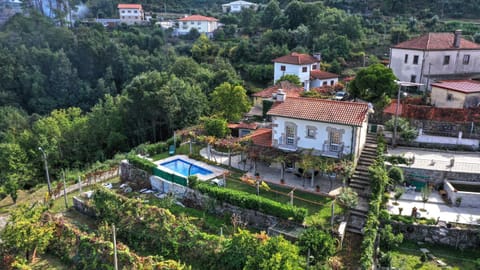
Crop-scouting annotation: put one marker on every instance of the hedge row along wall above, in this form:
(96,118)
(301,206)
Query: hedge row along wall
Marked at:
(254,202)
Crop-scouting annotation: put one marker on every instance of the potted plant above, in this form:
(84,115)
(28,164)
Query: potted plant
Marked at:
(458,201)
(282,181)
(317,188)
(400,209)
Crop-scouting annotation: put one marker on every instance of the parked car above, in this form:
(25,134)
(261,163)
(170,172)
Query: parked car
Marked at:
(340,95)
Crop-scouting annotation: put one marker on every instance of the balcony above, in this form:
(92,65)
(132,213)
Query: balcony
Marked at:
(287,144)
(332,150)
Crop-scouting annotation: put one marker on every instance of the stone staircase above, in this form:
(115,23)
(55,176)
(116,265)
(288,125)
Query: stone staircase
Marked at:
(360,183)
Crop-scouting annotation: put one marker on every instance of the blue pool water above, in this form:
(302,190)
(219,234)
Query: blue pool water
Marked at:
(181,167)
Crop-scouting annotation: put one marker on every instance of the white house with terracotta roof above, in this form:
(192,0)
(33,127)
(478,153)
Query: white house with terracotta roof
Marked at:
(202,23)
(237,6)
(131,13)
(299,64)
(331,128)
(286,87)
(435,56)
(321,78)
(456,94)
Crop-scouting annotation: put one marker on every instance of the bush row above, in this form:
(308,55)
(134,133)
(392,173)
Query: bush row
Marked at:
(254,202)
(379,179)
(152,230)
(86,251)
(141,163)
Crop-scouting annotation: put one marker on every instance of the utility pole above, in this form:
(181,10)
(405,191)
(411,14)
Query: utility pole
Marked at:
(46,171)
(115,260)
(65,190)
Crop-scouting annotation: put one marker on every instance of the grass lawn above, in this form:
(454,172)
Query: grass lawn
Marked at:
(24,196)
(184,149)
(407,256)
(319,207)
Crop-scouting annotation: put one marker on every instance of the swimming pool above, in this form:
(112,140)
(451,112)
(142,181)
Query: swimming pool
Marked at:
(181,166)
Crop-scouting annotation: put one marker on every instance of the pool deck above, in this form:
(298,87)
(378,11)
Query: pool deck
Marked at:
(216,171)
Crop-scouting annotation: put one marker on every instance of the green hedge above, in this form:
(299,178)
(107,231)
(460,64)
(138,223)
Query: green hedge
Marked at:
(379,179)
(142,163)
(156,148)
(254,202)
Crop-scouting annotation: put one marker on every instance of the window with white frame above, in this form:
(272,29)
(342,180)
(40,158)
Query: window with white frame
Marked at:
(311,132)
(290,133)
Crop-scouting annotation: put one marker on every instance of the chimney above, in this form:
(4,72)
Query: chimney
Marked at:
(281,96)
(458,37)
(318,56)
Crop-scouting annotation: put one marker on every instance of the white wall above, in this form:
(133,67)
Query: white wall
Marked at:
(321,137)
(130,15)
(318,83)
(201,26)
(403,70)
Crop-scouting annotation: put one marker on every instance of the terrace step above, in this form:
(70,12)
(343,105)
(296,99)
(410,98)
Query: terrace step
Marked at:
(357,186)
(361,177)
(361,168)
(358,212)
(362,182)
(354,230)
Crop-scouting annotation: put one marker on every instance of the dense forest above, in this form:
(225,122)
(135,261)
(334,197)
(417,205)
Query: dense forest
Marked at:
(84,93)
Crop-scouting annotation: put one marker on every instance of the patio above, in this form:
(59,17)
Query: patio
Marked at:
(328,185)
(435,208)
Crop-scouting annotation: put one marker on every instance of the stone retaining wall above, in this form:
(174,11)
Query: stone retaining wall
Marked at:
(195,199)
(83,208)
(456,237)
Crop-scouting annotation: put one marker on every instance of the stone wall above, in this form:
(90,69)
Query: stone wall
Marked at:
(456,237)
(137,178)
(83,207)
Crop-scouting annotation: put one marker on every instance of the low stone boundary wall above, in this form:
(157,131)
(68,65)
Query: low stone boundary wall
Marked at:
(459,238)
(83,208)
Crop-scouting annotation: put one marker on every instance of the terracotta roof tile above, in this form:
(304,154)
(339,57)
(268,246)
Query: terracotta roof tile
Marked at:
(197,18)
(296,59)
(261,137)
(243,125)
(289,88)
(320,74)
(133,6)
(436,41)
(322,110)
(464,86)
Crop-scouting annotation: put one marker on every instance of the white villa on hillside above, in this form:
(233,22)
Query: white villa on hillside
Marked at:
(330,128)
(131,13)
(237,6)
(202,23)
(305,66)
(435,56)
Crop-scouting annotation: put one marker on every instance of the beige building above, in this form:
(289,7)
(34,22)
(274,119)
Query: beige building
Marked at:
(456,94)
(131,13)
(434,57)
(203,24)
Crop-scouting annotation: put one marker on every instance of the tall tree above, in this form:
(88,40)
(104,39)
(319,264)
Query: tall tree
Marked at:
(230,101)
(271,11)
(375,83)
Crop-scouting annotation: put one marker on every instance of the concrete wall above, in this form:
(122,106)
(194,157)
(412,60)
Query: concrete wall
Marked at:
(454,237)
(303,141)
(468,199)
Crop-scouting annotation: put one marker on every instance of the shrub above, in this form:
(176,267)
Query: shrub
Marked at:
(157,148)
(321,244)
(254,202)
(396,175)
(388,239)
